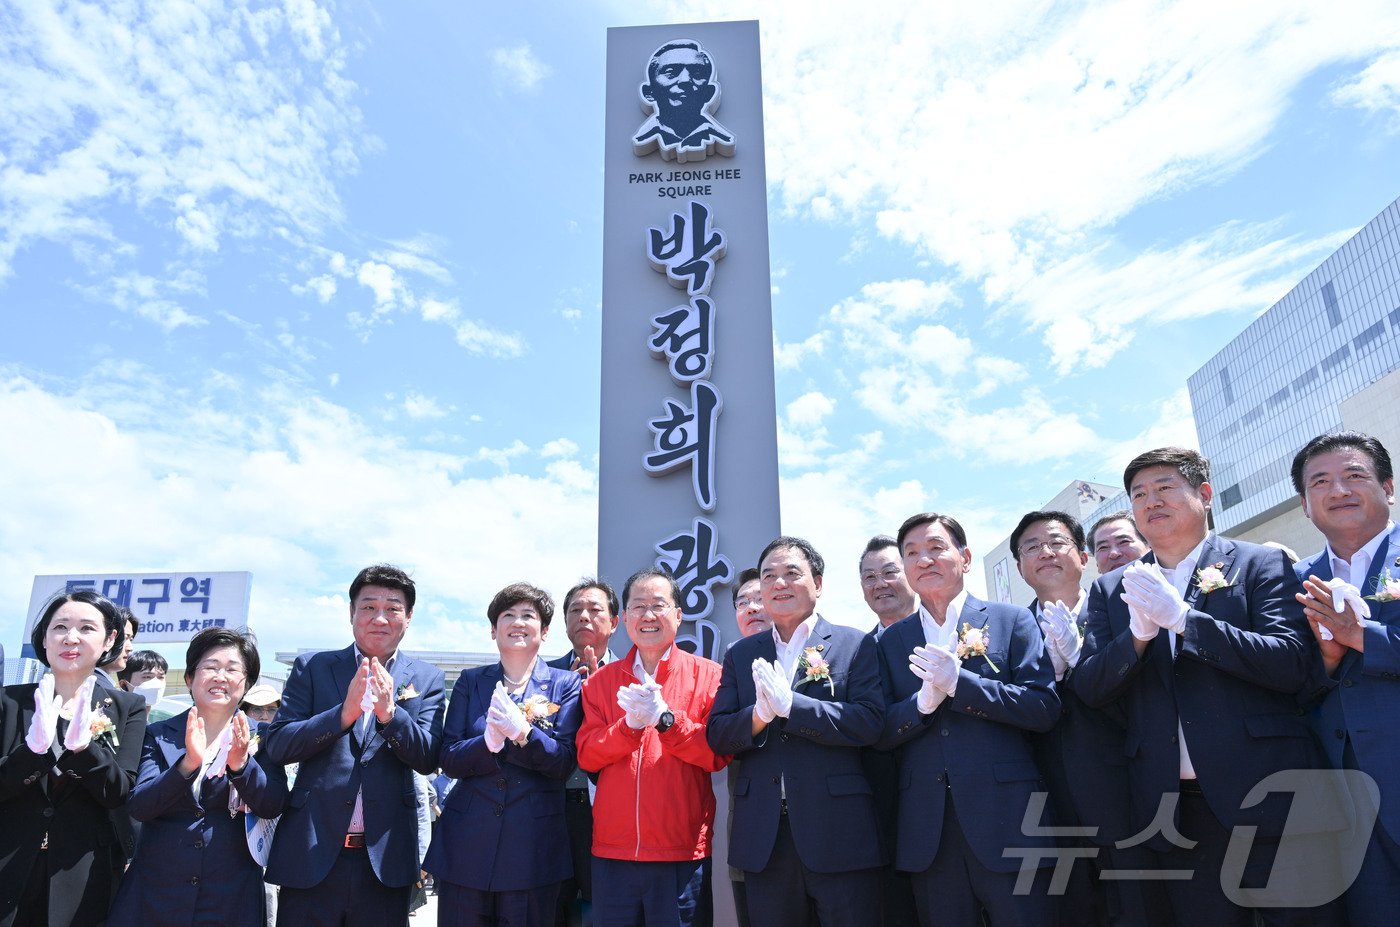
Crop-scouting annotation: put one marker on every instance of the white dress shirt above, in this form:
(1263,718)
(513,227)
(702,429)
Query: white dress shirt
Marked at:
(946,634)
(1358,569)
(363,728)
(790,653)
(1181,578)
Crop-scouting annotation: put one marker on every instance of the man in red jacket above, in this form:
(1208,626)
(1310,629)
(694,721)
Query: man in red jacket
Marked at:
(644,734)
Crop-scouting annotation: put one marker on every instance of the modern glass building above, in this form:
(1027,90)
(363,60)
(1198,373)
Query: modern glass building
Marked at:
(1285,378)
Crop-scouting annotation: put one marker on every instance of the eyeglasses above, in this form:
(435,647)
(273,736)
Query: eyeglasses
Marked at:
(889,574)
(641,611)
(213,669)
(1055,546)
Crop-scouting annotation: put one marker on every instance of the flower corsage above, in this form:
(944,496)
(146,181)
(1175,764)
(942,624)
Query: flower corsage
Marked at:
(972,642)
(815,669)
(538,711)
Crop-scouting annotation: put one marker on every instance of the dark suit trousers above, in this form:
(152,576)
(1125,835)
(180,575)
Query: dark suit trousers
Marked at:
(788,894)
(1200,900)
(578,818)
(459,906)
(956,889)
(350,895)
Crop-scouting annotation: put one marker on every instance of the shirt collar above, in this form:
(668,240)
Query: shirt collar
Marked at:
(1369,550)
(798,634)
(387,664)
(638,668)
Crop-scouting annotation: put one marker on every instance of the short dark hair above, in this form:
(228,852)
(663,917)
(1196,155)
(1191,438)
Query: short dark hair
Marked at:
(111,620)
(745,577)
(1336,440)
(240,639)
(131,626)
(516,593)
(1192,466)
(1076,530)
(142,661)
(388,576)
(814,559)
(878,542)
(949,523)
(1120,515)
(593,582)
(652,573)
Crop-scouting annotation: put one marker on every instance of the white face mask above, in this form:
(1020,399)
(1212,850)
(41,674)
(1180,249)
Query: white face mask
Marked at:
(152,690)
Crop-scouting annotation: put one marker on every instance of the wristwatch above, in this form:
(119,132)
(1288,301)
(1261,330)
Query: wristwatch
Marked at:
(663,724)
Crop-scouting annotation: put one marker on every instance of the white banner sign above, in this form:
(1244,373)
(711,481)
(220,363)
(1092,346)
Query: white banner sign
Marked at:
(168,606)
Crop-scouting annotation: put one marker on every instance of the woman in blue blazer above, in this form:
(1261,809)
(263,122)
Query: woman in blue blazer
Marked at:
(200,777)
(501,847)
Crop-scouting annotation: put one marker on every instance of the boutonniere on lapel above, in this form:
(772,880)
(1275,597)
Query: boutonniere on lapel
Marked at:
(1387,588)
(405,692)
(1211,578)
(103,728)
(972,642)
(815,669)
(538,711)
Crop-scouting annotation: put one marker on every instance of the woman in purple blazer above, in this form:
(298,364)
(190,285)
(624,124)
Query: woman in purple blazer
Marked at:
(200,777)
(501,847)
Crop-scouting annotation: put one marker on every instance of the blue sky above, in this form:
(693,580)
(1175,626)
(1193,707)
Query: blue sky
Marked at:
(291,287)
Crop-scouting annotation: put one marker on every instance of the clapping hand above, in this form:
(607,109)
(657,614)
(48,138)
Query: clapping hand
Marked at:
(506,715)
(1152,601)
(772,681)
(585,664)
(937,668)
(80,728)
(642,702)
(196,743)
(242,746)
(1062,638)
(44,727)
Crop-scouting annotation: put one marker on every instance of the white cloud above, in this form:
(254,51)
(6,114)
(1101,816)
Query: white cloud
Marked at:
(559,447)
(1091,306)
(809,410)
(790,356)
(519,66)
(418,406)
(278,487)
(177,117)
(1375,89)
(383,281)
(478,338)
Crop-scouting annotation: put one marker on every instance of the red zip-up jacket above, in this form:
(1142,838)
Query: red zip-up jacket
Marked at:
(654,801)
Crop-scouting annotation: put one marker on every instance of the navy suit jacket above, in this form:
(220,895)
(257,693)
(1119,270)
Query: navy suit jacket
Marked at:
(1362,701)
(193,855)
(1247,650)
(1083,762)
(335,765)
(815,751)
(502,828)
(975,743)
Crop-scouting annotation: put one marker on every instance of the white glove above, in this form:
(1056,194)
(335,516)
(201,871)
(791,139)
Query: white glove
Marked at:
(495,738)
(653,701)
(942,664)
(367,700)
(636,701)
(1062,638)
(1147,590)
(511,719)
(763,705)
(930,696)
(1344,594)
(778,689)
(45,724)
(80,728)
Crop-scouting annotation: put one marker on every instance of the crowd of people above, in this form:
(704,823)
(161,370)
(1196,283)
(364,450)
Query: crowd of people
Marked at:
(1203,736)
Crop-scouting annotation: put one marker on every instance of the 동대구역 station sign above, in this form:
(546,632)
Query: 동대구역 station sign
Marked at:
(688,463)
